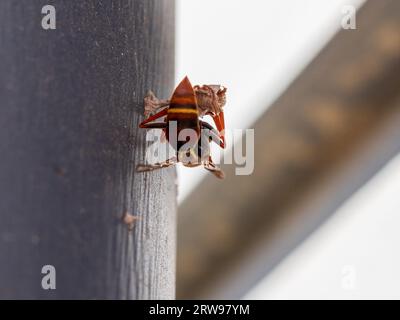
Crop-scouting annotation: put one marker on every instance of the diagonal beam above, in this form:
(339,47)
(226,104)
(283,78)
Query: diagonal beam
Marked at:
(327,135)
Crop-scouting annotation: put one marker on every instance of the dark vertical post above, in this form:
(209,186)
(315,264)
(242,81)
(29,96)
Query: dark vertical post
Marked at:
(70,104)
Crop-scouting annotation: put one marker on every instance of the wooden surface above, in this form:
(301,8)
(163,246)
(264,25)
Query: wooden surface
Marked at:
(330,132)
(70,104)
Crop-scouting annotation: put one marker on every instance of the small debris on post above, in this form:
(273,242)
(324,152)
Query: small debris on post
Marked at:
(129,220)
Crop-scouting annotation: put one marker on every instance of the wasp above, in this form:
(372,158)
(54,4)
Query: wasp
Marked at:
(184,110)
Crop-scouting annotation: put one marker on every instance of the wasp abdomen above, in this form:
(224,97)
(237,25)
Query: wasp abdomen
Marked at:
(183,109)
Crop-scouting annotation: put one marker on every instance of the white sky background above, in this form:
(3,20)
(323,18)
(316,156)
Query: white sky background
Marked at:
(354,255)
(256,48)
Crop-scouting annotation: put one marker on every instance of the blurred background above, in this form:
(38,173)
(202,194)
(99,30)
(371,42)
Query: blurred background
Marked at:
(318,218)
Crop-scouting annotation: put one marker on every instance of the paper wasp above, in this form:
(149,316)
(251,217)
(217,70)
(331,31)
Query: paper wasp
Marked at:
(185,109)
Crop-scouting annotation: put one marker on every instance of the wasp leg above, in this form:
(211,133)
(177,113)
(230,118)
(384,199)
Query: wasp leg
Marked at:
(154,125)
(213,168)
(214,135)
(155,166)
(152,104)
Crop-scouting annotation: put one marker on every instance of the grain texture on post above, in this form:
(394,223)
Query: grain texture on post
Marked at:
(71,101)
